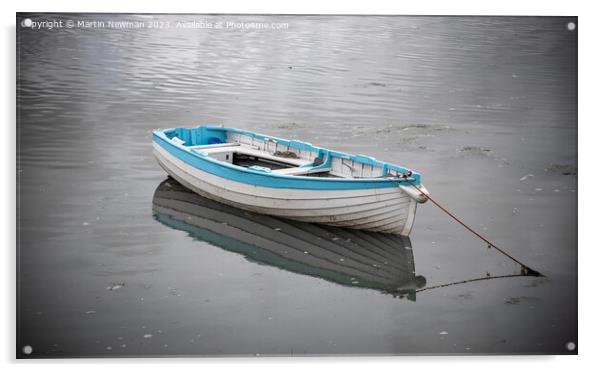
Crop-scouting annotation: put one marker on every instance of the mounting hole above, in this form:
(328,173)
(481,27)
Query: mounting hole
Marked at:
(571,26)
(27,349)
(570,346)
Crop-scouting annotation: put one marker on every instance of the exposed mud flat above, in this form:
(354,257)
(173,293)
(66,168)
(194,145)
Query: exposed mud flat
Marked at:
(564,169)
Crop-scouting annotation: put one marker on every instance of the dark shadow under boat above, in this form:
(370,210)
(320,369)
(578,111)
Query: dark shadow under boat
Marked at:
(383,262)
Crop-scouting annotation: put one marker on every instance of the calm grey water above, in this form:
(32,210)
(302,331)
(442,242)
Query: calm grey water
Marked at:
(484,107)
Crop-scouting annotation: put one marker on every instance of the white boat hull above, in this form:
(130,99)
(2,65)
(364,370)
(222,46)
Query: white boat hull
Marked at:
(388,210)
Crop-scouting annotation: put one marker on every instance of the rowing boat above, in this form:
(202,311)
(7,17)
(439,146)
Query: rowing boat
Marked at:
(353,258)
(290,178)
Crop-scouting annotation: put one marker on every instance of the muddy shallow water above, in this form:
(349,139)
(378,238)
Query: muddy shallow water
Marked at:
(485,108)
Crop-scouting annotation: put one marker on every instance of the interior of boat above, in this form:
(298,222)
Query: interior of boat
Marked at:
(278,156)
(284,163)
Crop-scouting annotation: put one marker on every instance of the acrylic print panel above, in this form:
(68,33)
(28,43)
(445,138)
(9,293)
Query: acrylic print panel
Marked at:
(115,259)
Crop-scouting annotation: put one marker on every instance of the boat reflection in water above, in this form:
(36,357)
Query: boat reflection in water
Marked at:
(383,262)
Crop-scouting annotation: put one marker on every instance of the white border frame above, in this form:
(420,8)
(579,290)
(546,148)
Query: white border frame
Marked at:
(589,132)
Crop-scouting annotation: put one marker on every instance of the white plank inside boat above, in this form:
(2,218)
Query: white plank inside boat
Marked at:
(217,150)
(297,171)
(202,147)
(253,152)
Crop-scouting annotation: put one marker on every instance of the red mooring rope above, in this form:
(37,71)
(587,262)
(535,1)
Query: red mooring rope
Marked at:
(469,281)
(525,270)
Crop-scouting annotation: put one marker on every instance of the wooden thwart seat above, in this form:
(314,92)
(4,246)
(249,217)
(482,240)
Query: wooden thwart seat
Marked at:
(297,171)
(244,150)
(217,150)
(212,146)
(300,165)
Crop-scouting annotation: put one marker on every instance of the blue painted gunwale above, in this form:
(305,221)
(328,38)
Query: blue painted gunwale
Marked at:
(200,134)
